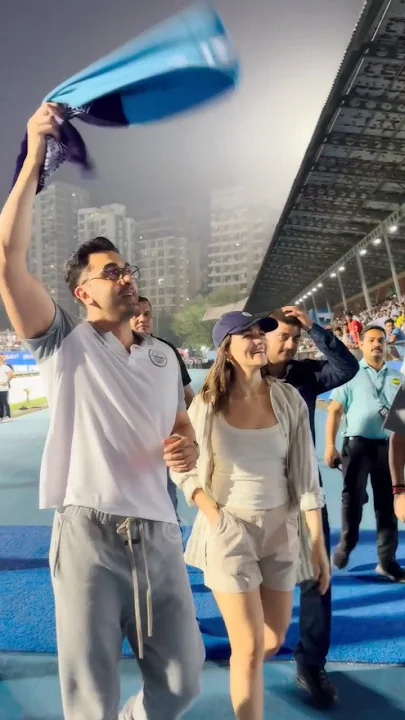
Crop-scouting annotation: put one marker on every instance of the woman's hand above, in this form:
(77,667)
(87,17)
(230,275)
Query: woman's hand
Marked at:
(207,506)
(321,567)
(213,515)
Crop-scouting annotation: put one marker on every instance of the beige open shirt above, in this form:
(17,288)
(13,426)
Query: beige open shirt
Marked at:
(304,489)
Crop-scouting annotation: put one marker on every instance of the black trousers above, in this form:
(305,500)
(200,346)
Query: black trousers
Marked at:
(362,458)
(315,616)
(4,406)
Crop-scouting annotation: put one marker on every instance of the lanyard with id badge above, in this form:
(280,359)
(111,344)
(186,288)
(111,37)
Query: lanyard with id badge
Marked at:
(379,396)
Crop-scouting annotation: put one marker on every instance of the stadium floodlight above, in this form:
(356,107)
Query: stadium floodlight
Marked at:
(333,275)
(342,268)
(377,241)
(320,285)
(314,289)
(363,251)
(393,229)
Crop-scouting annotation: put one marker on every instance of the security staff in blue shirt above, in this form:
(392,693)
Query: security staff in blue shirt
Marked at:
(365,402)
(311,378)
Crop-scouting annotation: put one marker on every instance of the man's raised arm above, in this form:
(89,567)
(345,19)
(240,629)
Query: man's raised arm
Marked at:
(29,306)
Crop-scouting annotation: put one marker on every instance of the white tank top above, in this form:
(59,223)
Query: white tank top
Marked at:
(249,466)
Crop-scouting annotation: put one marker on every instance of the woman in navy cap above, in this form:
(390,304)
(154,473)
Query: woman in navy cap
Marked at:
(256,471)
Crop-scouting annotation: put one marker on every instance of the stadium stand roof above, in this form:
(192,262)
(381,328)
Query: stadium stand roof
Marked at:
(352,178)
(214,313)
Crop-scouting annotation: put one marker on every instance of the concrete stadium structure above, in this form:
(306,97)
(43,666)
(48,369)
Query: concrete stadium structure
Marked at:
(340,240)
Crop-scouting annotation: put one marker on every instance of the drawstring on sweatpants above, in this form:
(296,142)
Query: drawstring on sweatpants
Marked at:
(125,529)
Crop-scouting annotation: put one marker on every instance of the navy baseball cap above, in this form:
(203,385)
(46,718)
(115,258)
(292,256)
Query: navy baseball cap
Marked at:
(234,323)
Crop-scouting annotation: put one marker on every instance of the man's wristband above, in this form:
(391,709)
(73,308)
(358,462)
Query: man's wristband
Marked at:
(398,489)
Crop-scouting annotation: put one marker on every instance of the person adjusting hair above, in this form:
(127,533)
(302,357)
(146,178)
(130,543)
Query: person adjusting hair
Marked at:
(311,378)
(365,403)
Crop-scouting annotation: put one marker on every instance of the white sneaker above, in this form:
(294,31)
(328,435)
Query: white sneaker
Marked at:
(7,419)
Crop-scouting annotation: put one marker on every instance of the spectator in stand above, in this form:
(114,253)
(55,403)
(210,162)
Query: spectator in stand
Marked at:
(346,339)
(395,339)
(355,327)
(9,340)
(378,315)
(400,320)
(394,334)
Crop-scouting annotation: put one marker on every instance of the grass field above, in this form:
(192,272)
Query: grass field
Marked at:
(23,407)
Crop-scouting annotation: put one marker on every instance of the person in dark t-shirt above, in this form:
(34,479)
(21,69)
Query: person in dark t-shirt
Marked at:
(143,323)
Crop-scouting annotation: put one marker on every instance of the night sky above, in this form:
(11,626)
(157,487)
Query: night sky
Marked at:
(290,51)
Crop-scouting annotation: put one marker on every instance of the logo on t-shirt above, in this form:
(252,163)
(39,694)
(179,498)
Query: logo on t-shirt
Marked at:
(396,381)
(158,358)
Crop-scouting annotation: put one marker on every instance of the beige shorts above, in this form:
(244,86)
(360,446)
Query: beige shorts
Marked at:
(246,549)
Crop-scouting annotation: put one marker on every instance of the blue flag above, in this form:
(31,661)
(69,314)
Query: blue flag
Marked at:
(178,65)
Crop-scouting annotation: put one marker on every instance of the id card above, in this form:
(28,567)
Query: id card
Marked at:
(383,412)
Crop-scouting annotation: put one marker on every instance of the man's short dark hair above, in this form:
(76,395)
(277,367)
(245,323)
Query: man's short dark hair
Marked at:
(286,319)
(372,327)
(142,298)
(79,260)
(389,320)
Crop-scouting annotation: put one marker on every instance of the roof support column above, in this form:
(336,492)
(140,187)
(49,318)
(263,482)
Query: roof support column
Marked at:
(327,301)
(315,307)
(392,265)
(363,283)
(342,292)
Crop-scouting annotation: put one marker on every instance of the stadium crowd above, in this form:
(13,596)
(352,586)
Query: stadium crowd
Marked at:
(9,340)
(389,314)
(344,327)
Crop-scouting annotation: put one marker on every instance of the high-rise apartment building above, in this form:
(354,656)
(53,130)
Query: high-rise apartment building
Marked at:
(168,256)
(240,234)
(55,237)
(110,221)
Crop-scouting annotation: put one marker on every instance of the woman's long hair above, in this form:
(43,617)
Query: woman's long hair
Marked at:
(220,379)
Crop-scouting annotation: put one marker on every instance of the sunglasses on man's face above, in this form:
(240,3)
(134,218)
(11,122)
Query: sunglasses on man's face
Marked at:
(115,273)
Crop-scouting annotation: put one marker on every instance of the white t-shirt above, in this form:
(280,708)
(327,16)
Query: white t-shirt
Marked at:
(4,381)
(110,411)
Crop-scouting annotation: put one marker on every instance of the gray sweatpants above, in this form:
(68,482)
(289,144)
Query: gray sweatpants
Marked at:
(114,577)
